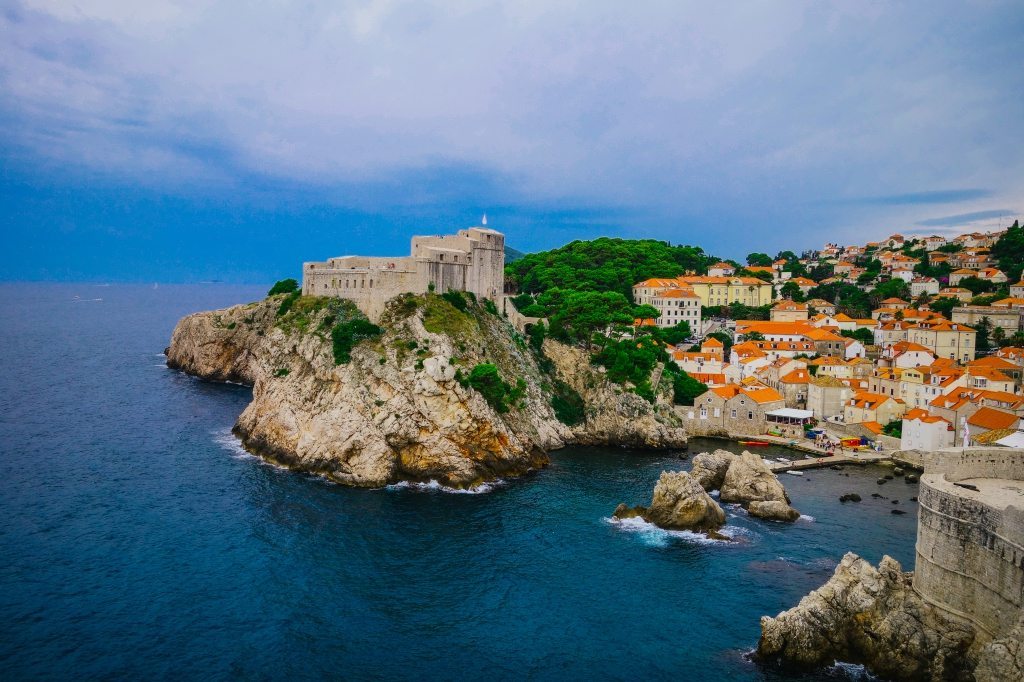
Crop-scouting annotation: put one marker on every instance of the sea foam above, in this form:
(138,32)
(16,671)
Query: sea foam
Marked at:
(436,486)
(654,536)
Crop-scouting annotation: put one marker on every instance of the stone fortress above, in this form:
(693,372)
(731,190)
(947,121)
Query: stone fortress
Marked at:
(472,260)
(970,537)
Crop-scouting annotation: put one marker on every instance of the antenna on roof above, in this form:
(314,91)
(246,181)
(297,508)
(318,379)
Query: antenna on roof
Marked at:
(483,221)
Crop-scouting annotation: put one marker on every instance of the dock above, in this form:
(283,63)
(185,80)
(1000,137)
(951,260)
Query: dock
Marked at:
(819,459)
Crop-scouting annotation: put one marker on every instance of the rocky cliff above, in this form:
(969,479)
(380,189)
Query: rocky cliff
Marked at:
(400,409)
(874,616)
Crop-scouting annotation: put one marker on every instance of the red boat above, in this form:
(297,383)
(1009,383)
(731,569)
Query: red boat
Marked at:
(755,443)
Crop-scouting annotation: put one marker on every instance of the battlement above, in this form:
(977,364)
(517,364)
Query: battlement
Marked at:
(970,535)
(472,260)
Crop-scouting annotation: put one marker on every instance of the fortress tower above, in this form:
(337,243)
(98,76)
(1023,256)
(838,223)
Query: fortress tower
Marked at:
(472,260)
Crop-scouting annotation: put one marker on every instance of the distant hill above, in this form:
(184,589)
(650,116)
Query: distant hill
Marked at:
(512,255)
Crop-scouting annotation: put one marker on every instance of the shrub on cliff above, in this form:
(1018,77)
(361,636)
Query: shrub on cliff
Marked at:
(456,298)
(567,403)
(285,286)
(345,336)
(495,390)
(287,303)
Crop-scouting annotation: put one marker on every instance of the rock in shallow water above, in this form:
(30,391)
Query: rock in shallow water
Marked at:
(679,502)
(773,510)
(749,480)
(709,468)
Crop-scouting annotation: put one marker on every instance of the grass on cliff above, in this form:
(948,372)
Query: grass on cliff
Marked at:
(298,313)
(440,316)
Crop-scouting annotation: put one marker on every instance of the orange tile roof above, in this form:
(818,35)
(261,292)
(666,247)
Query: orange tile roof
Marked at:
(873,427)
(799,376)
(678,293)
(712,341)
(789,305)
(994,362)
(991,418)
(763,394)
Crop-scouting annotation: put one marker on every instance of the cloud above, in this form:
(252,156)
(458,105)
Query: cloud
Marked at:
(949,196)
(965,218)
(686,121)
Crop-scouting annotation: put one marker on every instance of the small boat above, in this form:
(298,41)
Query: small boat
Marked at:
(783,460)
(795,473)
(755,443)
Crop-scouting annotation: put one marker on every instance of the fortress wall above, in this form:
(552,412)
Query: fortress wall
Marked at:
(472,260)
(959,463)
(970,549)
(968,560)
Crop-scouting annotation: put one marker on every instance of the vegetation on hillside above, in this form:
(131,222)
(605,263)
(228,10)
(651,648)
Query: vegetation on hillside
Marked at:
(604,264)
(284,286)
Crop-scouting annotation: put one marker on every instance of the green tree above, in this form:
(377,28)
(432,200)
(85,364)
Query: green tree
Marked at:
(676,334)
(894,288)
(894,428)
(646,312)
(1009,251)
(792,290)
(284,286)
(759,259)
(685,389)
(982,341)
(861,334)
(944,306)
(976,285)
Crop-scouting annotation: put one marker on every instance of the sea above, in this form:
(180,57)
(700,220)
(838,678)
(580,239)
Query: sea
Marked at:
(140,541)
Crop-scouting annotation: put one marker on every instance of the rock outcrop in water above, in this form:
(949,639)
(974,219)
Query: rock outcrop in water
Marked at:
(678,503)
(397,410)
(709,468)
(749,481)
(873,617)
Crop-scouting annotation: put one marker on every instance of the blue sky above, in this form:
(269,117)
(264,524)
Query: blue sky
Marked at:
(187,140)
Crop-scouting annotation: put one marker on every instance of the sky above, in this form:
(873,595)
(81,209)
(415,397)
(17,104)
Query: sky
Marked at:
(186,140)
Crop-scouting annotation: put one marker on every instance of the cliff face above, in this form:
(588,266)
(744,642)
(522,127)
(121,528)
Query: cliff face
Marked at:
(396,411)
(871,616)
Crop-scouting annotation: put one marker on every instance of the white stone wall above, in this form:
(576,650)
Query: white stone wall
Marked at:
(472,260)
(970,553)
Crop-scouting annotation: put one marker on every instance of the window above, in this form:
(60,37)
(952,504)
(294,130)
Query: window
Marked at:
(750,415)
(734,414)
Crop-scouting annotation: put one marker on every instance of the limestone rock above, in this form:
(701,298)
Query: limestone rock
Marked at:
(709,468)
(396,411)
(679,502)
(1002,660)
(773,510)
(749,479)
(873,617)
(624,511)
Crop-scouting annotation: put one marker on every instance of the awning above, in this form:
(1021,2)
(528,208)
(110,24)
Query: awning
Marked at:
(1014,440)
(790,413)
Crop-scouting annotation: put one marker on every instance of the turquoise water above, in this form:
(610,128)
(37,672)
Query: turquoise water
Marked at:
(141,541)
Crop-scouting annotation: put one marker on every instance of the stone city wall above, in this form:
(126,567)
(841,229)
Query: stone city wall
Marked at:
(970,550)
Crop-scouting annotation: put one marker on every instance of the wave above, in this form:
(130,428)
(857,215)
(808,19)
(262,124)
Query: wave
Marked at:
(228,441)
(659,537)
(436,486)
(851,671)
(806,517)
